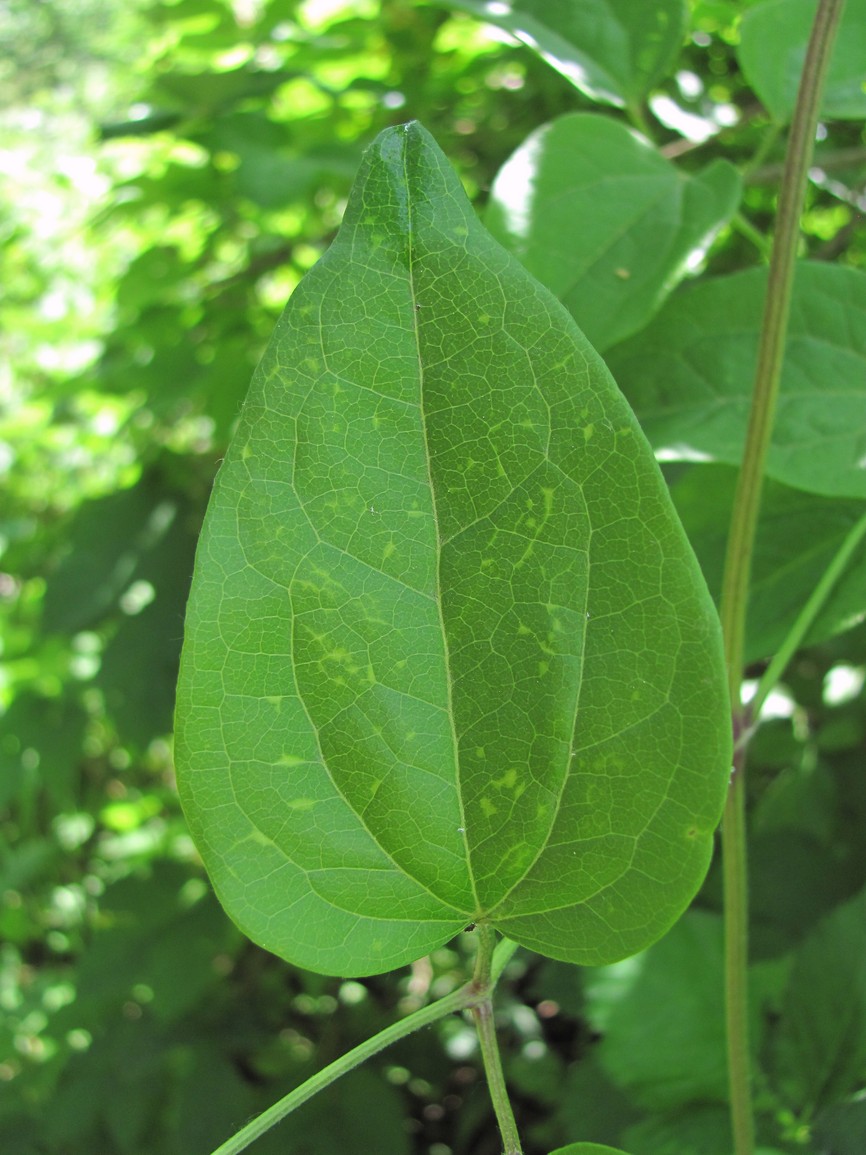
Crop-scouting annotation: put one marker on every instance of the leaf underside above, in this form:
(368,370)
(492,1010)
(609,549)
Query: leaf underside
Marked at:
(448,654)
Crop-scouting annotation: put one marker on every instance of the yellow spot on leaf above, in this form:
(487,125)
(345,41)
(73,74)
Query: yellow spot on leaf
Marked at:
(302,804)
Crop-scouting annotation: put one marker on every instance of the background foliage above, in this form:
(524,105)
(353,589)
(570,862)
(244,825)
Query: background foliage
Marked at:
(172,170)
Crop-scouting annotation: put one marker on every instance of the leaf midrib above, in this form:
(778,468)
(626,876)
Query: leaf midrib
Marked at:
(449,681)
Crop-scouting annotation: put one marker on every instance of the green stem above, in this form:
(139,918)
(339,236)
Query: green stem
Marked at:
(807,615)
(741,539)
(482,1013)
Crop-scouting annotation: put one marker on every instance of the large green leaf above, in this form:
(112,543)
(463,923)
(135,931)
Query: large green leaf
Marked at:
(614,51)
(772,50)
(448,655)
(689,376)
(604,221)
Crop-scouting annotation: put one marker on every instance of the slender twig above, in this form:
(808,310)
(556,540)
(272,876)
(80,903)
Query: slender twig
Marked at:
(740,545)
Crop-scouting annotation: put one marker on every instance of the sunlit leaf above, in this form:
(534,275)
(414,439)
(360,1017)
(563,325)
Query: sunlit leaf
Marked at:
(448,654)
(604,221)
(615,51)
(689,376)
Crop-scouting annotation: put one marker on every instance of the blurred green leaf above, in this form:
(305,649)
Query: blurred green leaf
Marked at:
(40,752)
(689,376)
(794,881)
(274,170)
(106,547)
(592,1104)
(772,49)
(697,1130)
(139,664)
(203,93)
(818,1049)
(615,51)
(362,1106)
(155,950)
(202,1075)
(798,536)
(391,751)
(662,1018)
(842,1128)
(602,219)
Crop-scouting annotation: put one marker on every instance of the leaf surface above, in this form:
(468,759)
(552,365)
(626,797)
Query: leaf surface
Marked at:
(597,215)
(614,51)
(772,51)
(448,654)
(689,376)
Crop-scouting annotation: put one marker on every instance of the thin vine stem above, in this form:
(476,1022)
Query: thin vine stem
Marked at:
(741,539)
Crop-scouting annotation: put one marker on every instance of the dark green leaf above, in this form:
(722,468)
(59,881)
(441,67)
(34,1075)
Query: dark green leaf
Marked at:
(139,664)
(793,882)
(818,1054)
(591,1104)
(204,92)
(615,51)
(108,541)
(448,654)
(841,1129)
(772,50)
(697,1130)
(604,221)
(40,752)
(362,1106)
(689,376)
(798,536)
(662,1017)
(158,935)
